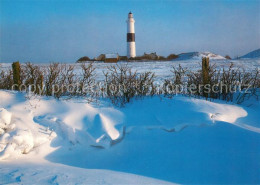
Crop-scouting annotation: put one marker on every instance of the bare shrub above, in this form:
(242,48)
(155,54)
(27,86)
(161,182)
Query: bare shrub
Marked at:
(61,80)
(87,80)
(172,57)
(228,57)
(145,84)
(226,84)
(123,84)
(33,76)
(6,79)
(83,59)
(176,83)
(229,79)
(250,86)
(52,78)
(65,86)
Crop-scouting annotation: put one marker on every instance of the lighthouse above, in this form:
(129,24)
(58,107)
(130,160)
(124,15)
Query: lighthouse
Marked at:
(130,38)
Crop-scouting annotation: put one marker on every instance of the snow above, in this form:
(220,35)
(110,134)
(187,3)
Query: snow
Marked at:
(5,118)
(6,98)
(162,69)
(199,56)
(155,140)
(49,173)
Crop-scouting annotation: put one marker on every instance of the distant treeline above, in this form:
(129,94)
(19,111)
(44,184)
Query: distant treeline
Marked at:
(144,57)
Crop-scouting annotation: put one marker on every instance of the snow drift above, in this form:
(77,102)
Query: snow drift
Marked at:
(199,55)
(151,137)
(30,123)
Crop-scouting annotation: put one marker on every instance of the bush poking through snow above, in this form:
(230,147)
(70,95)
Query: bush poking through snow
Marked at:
(6,79)
(123,84)
(33,75)
(173,86)
(87,80)
(232,84)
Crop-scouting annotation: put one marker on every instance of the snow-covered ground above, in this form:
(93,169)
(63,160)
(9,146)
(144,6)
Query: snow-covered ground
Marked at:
(162,69)
(50,173)
(199,55)
(150,141)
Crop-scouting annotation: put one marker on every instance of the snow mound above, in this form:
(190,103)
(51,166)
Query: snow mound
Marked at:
(19,135)
(199,55)
(6,98)
(253,54)
(220,112)
(29,124)
(103,131)
(49,173)
(18,141)
(5,119)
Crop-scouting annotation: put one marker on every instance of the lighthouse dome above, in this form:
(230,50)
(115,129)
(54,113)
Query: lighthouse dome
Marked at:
(130,15)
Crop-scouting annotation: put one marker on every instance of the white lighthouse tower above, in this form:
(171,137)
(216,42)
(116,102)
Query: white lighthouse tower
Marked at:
(130,36)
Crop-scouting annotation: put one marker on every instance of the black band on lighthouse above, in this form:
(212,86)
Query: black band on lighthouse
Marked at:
(130,37)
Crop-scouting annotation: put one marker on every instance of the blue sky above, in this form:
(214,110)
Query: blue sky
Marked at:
(64,30)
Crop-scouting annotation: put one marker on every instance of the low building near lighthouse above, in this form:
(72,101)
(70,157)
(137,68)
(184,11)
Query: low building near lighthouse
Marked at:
(111,58)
